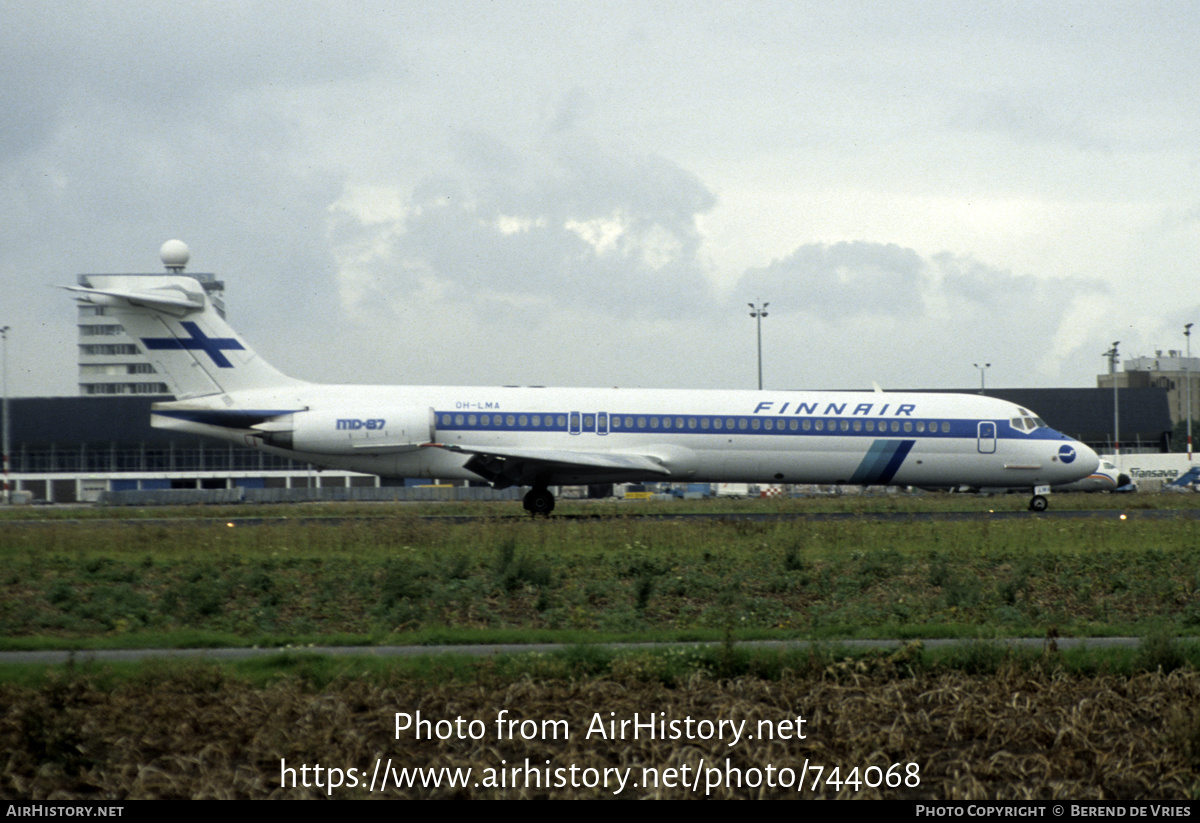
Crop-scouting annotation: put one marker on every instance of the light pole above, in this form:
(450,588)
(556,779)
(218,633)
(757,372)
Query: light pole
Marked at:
(758,313)
(1111,354)
(982,370)
(4,394)
(1187,375)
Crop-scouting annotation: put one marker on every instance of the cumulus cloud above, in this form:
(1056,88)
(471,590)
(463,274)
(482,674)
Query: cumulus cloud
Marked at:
(576,223)
(885,309)
(843,279)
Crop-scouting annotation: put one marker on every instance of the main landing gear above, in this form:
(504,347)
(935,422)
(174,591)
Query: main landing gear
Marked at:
(539,500)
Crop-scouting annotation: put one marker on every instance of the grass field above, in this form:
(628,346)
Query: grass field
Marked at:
(400,577)
(978,722)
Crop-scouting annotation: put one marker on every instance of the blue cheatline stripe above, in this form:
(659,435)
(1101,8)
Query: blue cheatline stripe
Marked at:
(881,462)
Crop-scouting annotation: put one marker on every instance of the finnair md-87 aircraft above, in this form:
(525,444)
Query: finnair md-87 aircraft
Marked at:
(539,437)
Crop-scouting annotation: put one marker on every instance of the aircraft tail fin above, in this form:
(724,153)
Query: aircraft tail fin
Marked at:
(1188,478)
(179,329)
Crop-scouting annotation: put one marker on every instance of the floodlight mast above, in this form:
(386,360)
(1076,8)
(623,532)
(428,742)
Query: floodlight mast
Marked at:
(758,313)
(1111,354)
(982,370)
(1187,375)
(4,394)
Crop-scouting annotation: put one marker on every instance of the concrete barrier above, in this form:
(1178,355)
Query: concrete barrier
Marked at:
(184,497)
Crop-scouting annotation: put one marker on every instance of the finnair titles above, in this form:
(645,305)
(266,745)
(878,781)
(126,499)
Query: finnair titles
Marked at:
(541,437)
(835,408)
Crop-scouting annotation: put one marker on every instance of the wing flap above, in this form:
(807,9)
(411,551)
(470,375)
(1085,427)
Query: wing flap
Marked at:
(515,466)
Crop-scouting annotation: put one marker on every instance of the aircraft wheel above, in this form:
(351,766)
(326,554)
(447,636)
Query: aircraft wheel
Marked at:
(539,501)
(1038,503)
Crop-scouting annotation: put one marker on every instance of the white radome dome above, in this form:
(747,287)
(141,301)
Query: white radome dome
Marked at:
(174,254)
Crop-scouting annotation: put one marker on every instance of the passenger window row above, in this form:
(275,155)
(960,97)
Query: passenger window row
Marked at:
(642,423)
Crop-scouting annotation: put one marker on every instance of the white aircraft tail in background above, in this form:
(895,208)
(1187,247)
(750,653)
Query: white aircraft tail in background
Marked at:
(540,437)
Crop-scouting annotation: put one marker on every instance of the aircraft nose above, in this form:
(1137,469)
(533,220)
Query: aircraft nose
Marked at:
(1085,461)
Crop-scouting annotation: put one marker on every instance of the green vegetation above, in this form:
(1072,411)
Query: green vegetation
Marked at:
(1179,435)
(399,577)
(669,665)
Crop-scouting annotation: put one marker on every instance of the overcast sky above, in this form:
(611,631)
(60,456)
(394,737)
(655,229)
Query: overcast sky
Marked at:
(590,194)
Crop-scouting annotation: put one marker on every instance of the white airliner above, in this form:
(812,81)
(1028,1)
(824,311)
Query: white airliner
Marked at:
(1106,478)
(539,437)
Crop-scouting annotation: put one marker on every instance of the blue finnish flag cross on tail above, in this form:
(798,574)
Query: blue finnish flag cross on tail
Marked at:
(198,340)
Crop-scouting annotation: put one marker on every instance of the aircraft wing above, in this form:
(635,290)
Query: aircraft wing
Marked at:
(505,467)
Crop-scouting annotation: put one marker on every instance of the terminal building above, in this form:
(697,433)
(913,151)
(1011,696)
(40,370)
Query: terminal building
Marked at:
(70,449)
(1173,372)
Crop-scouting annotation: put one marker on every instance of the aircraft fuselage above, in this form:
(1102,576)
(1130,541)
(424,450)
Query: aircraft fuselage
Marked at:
(865,438)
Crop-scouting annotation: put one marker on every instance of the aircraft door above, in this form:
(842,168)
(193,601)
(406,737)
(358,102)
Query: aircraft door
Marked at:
(987,437)
(581,423)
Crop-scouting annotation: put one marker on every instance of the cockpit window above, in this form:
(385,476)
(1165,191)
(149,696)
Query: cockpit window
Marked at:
(1027,423)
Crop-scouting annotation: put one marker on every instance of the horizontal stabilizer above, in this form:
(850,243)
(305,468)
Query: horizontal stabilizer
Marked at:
(223,418)
(169,299)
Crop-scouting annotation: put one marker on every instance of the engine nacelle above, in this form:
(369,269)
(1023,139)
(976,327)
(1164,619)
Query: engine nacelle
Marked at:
(352,430)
